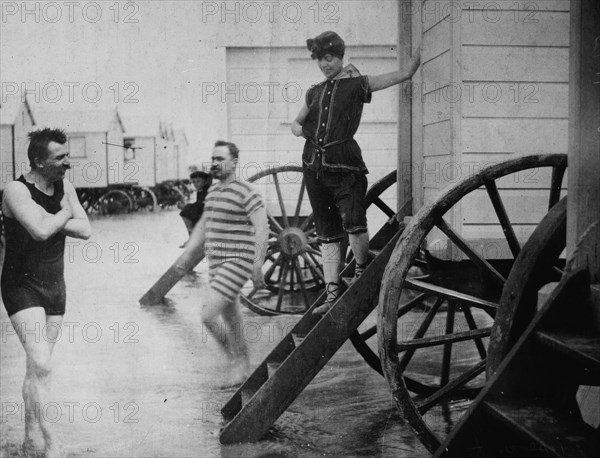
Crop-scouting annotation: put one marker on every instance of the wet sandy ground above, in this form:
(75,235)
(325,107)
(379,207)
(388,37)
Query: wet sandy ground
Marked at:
(133,381)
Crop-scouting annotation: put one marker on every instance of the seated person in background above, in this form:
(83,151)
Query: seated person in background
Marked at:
(191,213)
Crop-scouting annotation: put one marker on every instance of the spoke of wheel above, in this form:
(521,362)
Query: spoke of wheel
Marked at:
(312,256)
(427,403)
(448,346)
(252,293)
(299,204)
(271,269)
(302,285)
(311,231)
(275,224)
(286,223)
(472,325)
(314,267)
(280,276)
(421,332)
(281,287)
(446,293)
(311,250)
(558,270)
(411,305)
(509,232)
(313,244)
(557,178)
(442,340)
(317,275)
(292,271)
(368,333)
(480,262)
(384,207)
(273,249)
(307,222)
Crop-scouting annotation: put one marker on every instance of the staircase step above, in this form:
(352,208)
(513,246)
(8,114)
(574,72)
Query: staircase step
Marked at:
(272,368)
(556,433)
(583,348)
(346,281)
(373,253)
(247,394)
(298,339)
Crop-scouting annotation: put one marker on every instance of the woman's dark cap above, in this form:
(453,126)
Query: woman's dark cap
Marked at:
(326,43)
(200,174)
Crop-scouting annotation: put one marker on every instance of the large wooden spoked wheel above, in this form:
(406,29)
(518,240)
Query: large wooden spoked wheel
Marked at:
(144,198)
(538,263)
(427,317)
(292,269)
(115,202)
(168,196)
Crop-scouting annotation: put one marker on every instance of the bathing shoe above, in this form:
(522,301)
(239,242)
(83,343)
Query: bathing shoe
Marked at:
(333,291)
(358,271)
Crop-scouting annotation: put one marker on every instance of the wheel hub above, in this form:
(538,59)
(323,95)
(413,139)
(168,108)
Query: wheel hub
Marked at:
(292,241)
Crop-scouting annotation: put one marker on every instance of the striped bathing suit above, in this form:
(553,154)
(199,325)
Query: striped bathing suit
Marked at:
(230,242)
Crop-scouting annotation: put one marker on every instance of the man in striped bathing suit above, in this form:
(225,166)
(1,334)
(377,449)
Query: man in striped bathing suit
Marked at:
(233,232)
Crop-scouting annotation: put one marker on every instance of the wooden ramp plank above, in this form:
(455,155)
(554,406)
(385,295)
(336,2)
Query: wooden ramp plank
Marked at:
(323,337)
(184,263)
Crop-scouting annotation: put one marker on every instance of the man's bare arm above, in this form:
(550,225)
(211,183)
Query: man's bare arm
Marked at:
(299,121)
(79,225)
(379,82)
(259,221)
(40,225)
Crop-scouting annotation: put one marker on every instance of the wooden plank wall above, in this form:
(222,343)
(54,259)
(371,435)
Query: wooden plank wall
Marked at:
(583,239)
(494,85)
(516,60)
(436,111)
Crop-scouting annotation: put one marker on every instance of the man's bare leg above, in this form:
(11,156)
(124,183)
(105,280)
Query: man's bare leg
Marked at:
(233,321)
(33,442)
(211,320)
(222,317)
(38,340)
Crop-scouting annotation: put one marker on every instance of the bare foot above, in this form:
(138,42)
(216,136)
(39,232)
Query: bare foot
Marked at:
(32,448)
(240,371)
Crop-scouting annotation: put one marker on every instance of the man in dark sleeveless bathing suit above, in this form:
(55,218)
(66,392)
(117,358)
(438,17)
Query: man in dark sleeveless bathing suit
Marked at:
(40,209)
